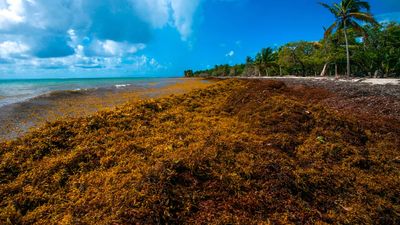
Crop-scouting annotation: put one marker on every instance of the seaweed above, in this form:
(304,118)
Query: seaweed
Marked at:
(237,152)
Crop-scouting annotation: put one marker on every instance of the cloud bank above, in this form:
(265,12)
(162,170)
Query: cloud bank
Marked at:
(87,33)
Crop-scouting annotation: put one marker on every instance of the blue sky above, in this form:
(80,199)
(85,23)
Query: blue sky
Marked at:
(93,38)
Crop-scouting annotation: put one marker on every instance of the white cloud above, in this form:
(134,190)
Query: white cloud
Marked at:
(139,63)
(144,63)
(155,12)
(112,48)
(132,18)
(11,48)
(87,33)
(183,12)
(230,54)
(179,12)
(11,12)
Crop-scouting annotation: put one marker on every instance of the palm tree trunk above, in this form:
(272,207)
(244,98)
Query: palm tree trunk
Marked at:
(336,71)
(303,70)
(323,73)
(347,52)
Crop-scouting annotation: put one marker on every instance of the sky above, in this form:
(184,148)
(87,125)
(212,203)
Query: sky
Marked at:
(104,38)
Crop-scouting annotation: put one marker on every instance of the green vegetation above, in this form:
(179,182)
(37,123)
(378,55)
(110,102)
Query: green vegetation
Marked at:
(368,50)
(238,152)
(347,15)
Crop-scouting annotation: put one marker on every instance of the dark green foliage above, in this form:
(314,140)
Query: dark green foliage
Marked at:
(189,73)
(380,53)
(221,71)
(301,58)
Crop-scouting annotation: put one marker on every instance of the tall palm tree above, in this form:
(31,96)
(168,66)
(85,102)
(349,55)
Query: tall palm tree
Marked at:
(348,14)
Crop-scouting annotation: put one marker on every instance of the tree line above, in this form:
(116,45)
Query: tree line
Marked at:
(354,45)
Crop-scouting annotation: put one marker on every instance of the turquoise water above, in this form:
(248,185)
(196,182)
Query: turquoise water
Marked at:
(13,91)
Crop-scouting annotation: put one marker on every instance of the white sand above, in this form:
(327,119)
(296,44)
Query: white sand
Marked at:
(372,81)
(382,81)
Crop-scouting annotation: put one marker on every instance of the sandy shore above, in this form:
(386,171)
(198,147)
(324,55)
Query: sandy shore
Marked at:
(18,118)
(373,81)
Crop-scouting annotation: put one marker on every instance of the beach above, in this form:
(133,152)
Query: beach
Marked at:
(221,112)
(17,118)
(238,151)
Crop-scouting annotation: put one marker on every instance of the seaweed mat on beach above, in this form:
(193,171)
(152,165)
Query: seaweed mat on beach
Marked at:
(238,152)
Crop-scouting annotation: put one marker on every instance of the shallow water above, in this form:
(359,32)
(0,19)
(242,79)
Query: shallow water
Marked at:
(14,91)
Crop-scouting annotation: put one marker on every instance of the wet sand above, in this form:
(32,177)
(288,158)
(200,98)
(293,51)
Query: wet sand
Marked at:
(16,119)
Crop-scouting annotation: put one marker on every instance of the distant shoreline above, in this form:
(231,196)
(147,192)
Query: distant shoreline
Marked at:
(21,90)
(18,117)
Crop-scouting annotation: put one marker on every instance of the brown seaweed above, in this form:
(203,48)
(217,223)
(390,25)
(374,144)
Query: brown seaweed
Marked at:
(238,152)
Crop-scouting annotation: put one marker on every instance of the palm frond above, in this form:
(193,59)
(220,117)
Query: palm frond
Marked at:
(347,4)
(339,9)
(365,17)
(333,10)
(357,27)
(358,6)
(330,29)
(348,13)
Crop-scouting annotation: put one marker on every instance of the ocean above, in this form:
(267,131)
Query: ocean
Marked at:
(14,91)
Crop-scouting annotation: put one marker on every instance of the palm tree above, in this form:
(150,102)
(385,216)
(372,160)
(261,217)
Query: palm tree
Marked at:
(249,60)
(348,14)
(265,58)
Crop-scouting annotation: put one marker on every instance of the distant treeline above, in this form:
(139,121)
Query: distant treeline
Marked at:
(374,52)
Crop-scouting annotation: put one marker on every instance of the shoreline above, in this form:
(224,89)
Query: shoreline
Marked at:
(17,118)
(45,87)
(380,96)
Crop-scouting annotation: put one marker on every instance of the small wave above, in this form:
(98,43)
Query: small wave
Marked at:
(83,89)
(122,85)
